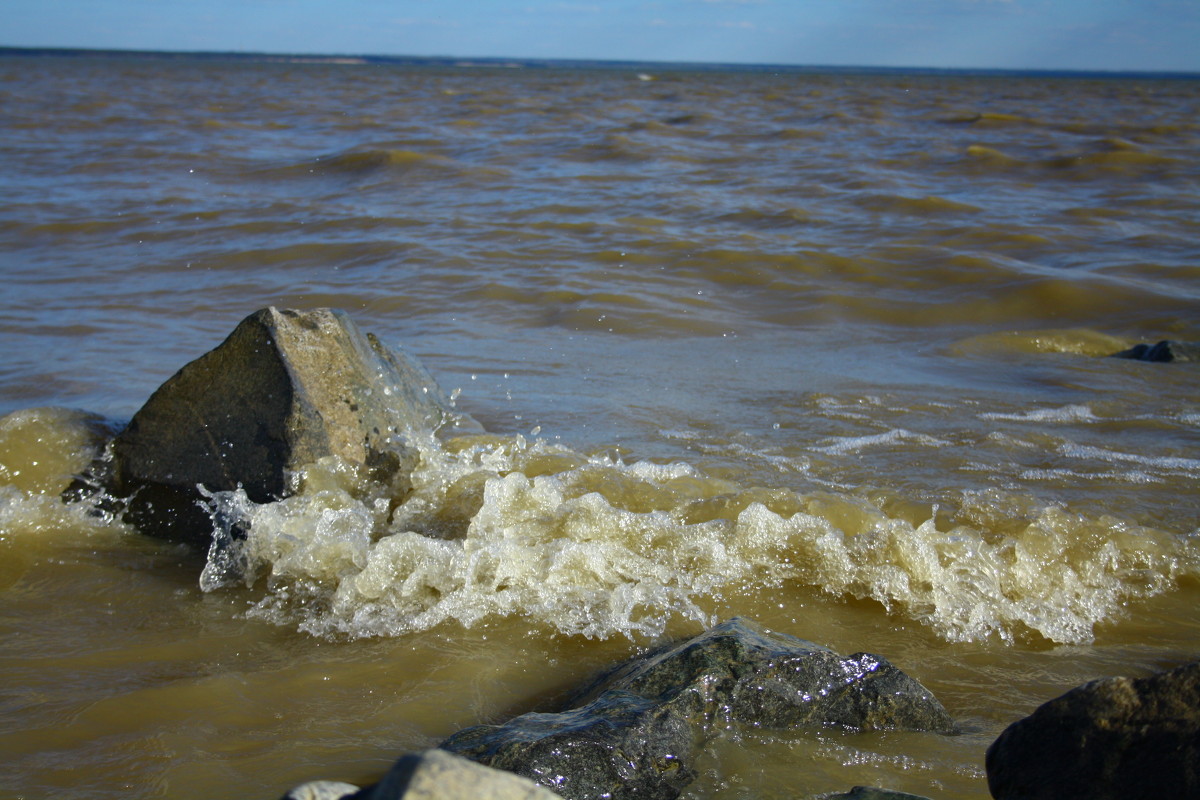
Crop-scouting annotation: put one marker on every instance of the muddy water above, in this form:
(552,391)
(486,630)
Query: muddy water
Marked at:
(822,350)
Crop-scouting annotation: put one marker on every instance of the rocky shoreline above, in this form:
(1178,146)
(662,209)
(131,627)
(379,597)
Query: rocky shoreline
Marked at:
(289,387)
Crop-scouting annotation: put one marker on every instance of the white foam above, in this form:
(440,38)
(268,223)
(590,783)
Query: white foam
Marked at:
(1064,414)
(1189,466)
(855,444)
(600,548)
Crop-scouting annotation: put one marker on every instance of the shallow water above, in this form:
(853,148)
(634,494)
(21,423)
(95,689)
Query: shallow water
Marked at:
(822,350)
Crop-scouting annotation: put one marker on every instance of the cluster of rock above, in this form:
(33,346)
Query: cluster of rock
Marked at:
(1110,739)
(288,387)
(636,732)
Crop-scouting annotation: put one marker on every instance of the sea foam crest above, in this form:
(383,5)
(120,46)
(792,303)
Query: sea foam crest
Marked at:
(597,547)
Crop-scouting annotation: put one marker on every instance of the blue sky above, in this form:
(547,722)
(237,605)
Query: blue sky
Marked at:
(1016,34)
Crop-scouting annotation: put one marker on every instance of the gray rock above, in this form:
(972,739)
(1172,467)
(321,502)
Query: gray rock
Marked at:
(635,732)
(1165,350)
(1112,738)
(439,775)
(286,388)
(322,790)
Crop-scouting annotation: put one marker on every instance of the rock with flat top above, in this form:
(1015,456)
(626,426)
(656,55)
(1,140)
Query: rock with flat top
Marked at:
(1108,739)
(285,389)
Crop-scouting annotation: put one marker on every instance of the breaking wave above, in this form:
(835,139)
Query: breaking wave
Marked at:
(593,546)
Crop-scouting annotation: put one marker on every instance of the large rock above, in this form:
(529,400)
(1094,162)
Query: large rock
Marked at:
(1113,738)
(737,672)
(1166,350)
(286,388)
(636,731)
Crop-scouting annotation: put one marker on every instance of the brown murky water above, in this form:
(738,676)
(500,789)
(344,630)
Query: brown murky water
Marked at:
(822,350)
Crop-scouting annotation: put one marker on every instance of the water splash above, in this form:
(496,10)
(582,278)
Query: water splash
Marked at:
(593,546)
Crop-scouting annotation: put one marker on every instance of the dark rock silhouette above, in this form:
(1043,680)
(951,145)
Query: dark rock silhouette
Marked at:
(1108,739)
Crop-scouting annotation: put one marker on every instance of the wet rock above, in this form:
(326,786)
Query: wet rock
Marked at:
(286,388)
(618,746)
(438,775)
(635,732)
(1165,350)
(737,672)
(1113,738)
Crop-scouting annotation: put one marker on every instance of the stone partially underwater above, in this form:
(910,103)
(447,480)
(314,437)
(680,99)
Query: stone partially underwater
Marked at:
(285,389)
(638,730)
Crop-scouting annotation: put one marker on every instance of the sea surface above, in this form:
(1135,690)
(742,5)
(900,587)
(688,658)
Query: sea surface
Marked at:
(827,350)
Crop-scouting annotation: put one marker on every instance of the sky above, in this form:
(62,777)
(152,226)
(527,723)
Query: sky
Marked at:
(1139,35)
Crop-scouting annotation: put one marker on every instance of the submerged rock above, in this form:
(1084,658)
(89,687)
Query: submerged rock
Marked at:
(872,793)
(286,388)
(1112,738)
(636,731)
(1165,350)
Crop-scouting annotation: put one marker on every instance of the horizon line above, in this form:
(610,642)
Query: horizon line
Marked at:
(541,62)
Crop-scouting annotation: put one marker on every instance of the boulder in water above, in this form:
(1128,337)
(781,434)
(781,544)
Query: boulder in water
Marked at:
(636,731)
(737,672)
(283,390)
(1108,739)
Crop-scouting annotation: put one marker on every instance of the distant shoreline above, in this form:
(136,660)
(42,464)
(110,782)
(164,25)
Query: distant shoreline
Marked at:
(577,64)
